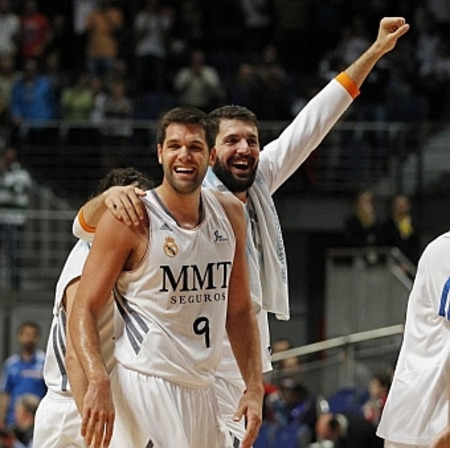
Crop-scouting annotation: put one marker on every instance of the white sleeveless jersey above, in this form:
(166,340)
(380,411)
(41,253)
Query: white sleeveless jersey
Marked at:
(55,373)
(174,304)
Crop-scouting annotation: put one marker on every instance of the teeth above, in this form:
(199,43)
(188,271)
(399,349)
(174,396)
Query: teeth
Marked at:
(183,170)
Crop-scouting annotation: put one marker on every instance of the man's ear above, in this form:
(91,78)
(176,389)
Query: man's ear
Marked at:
(159,151)
(212,156)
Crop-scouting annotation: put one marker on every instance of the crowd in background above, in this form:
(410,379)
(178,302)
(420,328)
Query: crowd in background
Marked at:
(89,59)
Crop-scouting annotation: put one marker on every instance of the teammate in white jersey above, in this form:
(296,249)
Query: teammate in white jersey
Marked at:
(180,281)
(417,406)
(58,421)
(237,165)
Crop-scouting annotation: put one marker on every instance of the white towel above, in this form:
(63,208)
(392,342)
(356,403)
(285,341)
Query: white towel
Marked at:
(267,269)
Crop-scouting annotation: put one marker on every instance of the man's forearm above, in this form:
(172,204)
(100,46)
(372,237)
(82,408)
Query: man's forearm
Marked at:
(244,337)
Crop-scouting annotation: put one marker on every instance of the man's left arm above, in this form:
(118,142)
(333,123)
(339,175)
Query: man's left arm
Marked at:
(242,329)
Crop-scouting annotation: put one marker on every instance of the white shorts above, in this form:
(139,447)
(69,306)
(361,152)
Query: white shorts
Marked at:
(57,423)
(151,411)
(228,395)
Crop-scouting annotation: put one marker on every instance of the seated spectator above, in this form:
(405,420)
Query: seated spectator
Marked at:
(399,230)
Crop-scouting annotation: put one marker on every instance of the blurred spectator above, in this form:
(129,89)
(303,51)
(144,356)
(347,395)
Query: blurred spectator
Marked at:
(292,363)
(60,45)
(8,76)
(22,372)
(97,115)
(272,97)
(300,403)
(351,372)
(400,231)
(118,114)
(81,11)
(33,96)
(152,28)
(15,185)
(119,72)
(103,27)
(77,103)
(258,23)
(379,386)
(25,410)
(345,430)
(36,31)
(240,89)
(199,84)
(362,227)
(77,100)
(9,30)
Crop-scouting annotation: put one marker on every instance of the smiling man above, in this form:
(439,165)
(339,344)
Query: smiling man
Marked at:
(176,302)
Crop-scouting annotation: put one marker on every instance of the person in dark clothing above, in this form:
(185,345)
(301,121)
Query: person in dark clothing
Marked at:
(349,430)
(362,228)
(400,231)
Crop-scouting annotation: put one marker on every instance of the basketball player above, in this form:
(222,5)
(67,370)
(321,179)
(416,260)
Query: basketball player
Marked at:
(253,176)
(417,405)
(180,283)
(58,421)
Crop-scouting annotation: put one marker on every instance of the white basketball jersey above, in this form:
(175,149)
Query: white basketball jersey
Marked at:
(55,373)
(417,405)
(174,304)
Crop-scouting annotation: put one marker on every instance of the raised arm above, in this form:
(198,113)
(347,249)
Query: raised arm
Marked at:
(390,30)
(242,329)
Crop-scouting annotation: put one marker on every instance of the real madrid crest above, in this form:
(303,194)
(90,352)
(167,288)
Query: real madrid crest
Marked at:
(170,247)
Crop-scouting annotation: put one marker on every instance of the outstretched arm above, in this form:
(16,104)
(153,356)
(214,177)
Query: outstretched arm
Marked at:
(390,30)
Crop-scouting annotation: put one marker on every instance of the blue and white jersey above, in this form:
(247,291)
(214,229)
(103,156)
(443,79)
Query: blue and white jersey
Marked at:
(174,304)
(417,407)
(55,373)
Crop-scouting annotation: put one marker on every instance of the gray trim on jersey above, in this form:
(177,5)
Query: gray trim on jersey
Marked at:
(60,350)
(128,314)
